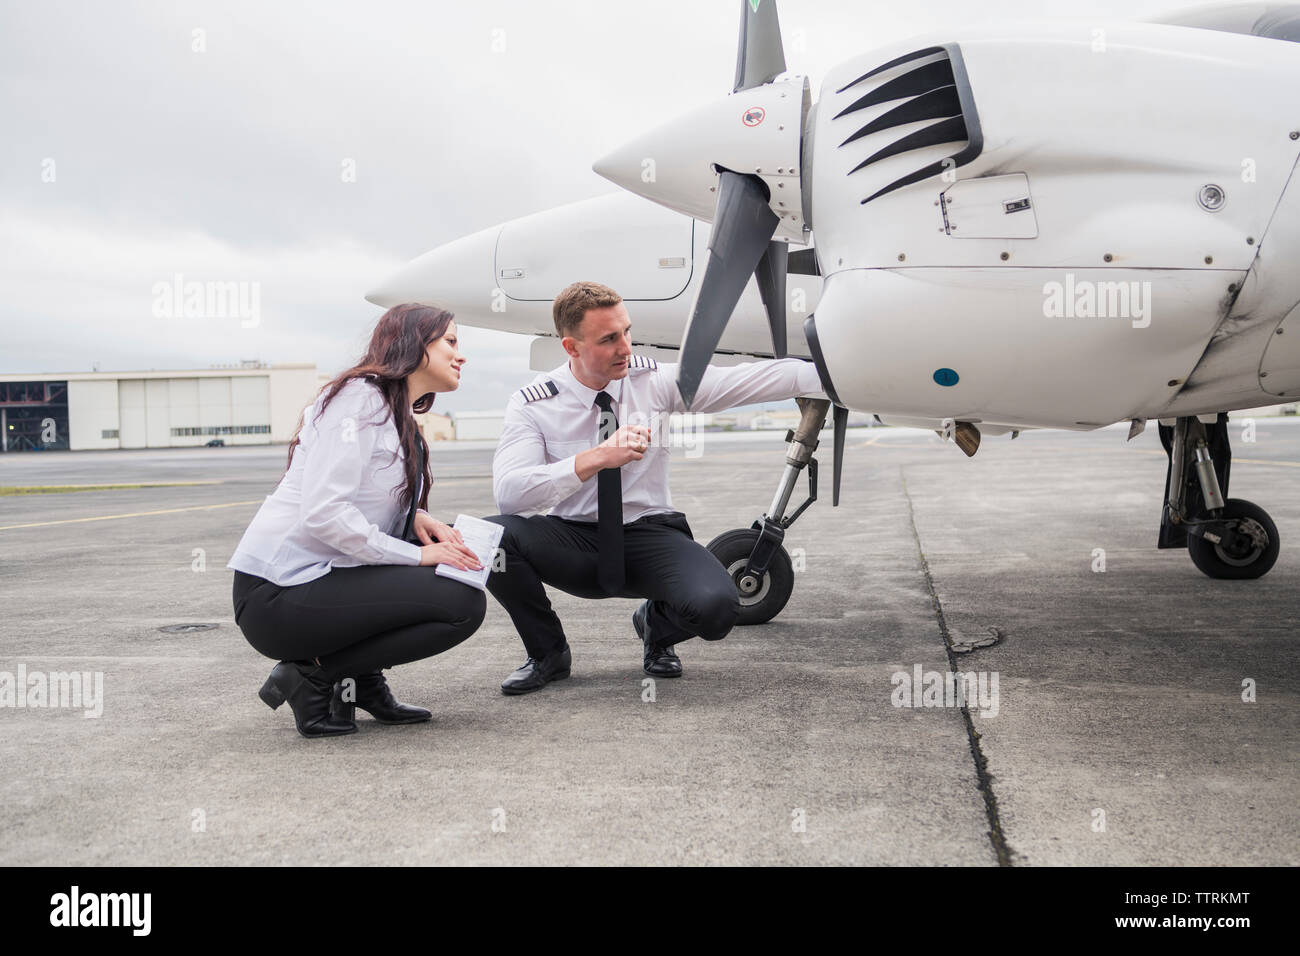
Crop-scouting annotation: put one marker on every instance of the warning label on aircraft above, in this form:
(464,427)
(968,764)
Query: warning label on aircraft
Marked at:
(755,116)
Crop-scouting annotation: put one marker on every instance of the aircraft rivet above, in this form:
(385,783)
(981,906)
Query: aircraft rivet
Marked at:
(1280,331)
(758,169)
(1250,240)
(1211,197)
(1006,256)
(780,185)
(1107,257)
(1295,135)
(1209,259)
(780,128)
(902,256)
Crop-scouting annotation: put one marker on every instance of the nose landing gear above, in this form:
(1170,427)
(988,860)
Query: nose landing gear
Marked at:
(755,557)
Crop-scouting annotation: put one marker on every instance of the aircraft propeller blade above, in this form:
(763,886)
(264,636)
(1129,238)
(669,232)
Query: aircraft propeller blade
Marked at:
(771,274)
(760,57)
(841,424)
(742,228)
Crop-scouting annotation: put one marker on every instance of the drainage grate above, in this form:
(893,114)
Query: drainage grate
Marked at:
(186,628)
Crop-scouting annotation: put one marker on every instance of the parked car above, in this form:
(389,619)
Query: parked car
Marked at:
(216,443)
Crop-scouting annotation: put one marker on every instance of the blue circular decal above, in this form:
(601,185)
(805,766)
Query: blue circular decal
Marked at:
(945,376)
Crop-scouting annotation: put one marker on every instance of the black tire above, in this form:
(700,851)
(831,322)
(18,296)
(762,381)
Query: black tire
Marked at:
(1213,560)
(732,549)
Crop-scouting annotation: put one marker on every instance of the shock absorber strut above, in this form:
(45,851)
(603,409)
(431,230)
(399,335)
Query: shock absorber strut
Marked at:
(771,526)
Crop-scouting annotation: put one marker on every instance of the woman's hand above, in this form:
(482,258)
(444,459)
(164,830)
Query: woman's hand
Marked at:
(452,553)
(429,529)
(443,544)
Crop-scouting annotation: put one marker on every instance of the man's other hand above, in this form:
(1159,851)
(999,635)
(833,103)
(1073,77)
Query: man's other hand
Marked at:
(627,444)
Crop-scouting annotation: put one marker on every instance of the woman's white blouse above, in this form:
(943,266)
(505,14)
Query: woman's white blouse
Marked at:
(339,504)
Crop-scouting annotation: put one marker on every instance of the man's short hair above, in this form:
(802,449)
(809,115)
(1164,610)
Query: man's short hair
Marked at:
(573,302)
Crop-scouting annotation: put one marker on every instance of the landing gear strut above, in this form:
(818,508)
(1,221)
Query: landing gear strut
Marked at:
(755,557)
(1225,537)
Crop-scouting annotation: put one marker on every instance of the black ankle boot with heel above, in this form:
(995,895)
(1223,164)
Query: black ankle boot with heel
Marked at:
(374,696)
(308,693)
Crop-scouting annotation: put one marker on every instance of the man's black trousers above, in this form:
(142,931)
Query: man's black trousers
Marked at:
(690,593)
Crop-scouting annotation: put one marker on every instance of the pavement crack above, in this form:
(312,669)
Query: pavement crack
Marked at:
(984,780)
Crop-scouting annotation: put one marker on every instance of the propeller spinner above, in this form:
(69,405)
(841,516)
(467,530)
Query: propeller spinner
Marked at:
(745,151)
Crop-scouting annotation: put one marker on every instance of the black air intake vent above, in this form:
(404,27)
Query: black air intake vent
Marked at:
(934,91)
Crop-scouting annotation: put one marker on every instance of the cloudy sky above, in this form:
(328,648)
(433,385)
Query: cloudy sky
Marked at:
(135,149)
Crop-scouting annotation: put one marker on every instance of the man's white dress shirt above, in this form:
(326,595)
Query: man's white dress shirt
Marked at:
(534,466)
(338,506)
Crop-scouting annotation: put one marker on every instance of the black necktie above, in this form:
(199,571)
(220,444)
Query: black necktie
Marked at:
(609,499)
(408,528)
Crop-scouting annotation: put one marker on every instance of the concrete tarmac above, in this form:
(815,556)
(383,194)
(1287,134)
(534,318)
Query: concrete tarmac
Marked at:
(1118,733)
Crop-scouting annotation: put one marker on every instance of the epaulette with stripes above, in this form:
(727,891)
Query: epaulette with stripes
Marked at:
(641,361)
(539,391)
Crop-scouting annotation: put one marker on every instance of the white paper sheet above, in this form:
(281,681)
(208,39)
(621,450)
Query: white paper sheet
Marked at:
(481,537)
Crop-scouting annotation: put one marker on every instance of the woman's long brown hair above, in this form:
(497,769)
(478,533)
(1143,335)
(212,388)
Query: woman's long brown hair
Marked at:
(397,348)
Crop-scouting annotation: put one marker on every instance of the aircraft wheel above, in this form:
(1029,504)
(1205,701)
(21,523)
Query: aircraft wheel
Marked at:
(1251,561)
(762,599)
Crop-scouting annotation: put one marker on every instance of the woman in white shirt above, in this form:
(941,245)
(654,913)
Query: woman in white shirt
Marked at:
(323,583)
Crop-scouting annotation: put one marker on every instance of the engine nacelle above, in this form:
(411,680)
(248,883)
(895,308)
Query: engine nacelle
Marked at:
(1012,220)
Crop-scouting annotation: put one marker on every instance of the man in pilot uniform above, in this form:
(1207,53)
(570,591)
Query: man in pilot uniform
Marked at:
(617,535)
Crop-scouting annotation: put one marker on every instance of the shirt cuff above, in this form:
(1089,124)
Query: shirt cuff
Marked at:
(402,552)
(809,380)
(564,476)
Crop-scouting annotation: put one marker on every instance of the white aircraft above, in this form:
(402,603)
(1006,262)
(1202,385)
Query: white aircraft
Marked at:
(1027,225)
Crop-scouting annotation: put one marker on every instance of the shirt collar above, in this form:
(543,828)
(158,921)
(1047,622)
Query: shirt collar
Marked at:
(587,395)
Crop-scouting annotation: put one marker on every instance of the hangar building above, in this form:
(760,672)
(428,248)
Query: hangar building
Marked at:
(249,404)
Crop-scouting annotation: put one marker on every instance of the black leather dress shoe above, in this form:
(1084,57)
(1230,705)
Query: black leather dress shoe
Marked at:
(656,661)
(536,674)
(374,696)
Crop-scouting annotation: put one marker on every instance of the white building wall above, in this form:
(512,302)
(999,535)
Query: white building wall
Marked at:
(250,405)
(131,412)
(214,402)
(184,399)
(92,410)
(292,390)
(479,426)
(158,417)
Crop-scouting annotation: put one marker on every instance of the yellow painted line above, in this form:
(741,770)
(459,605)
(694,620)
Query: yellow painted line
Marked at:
(14,490)
(136,484)
(133,514)
(171,511)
